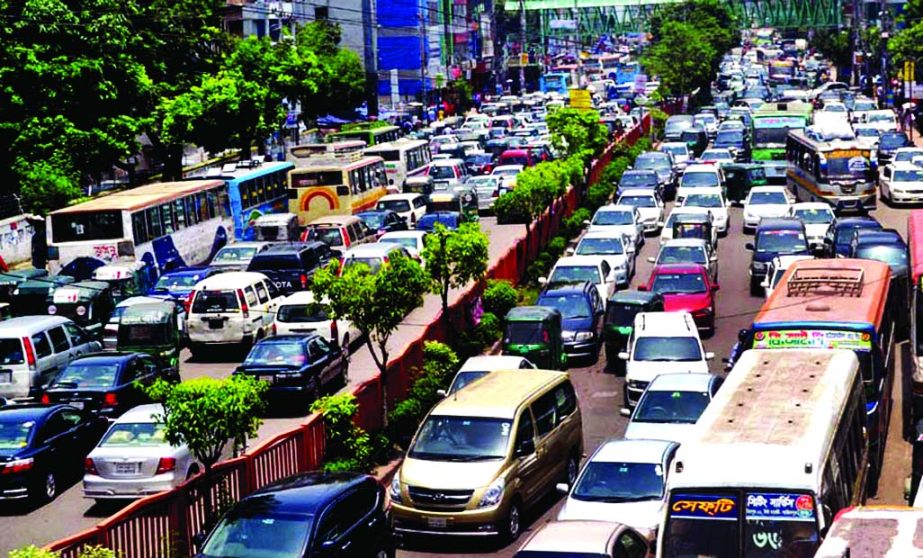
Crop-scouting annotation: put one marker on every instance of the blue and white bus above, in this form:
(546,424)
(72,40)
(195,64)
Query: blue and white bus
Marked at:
(254,189)
(166,225)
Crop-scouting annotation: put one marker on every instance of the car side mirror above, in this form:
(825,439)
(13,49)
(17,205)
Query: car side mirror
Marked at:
(642,288)
(709,356)
(562,487)
(749,246)
(587,222)
(623,355)
(765,283)
(198,540)
(542,280)
(442,393)
(526,447)
(715,287)
(569,252)
(651,259)
(625,412)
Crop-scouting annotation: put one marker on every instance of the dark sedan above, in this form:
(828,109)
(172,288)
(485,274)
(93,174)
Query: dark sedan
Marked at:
(107,384)
(840,233)
(449,219)
(296,365)
(41,446)
(383,221)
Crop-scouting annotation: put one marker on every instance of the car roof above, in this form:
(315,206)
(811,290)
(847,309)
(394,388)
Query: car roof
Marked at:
(701,168)
(811,205)
(230,280)
(403,234)
(617,208)
(768,189)
(906,165)
(298,297)
(499,394)
(776,223)
(284,339)
(637,193)
(288,248)
(302,493)
(15,326)
(134,300)
(372,249)
(390,197)
(106,358)
(690,242)
(856,221)
(647,172)
(578,261)
(681,382)
(557,289)
(657,323)
(488,363)
(678,268)
(247,244)
(635,451)
(141,413)
(879,236)
(28,412)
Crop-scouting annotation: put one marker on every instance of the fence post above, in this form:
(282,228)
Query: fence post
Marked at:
(183,544)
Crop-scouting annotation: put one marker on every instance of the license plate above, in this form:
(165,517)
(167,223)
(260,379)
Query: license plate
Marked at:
(126,468)
(6,376)
(76,404)
(215,324)
(268,378)
(436,522)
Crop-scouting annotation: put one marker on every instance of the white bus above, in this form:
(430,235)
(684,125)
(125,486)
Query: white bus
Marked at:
(402,158)
(167,225)
(776,454)
(840,172)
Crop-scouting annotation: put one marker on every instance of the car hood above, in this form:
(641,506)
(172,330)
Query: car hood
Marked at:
(688,302)
(646,371)
(816,230)
(630,230)
(767,210)
(640,515)
(658,431)
(449,475)
(577,324)
(649,213)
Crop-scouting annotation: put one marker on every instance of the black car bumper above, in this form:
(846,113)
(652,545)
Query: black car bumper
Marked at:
(14,486)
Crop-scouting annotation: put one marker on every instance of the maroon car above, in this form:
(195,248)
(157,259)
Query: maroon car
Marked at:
(685,287)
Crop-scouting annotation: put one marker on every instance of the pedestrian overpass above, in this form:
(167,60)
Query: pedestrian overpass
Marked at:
(590,19)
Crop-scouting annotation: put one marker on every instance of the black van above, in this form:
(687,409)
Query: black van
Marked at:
(291,266)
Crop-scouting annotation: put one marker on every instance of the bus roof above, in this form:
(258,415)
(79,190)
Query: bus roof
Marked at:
(915,241)
(771,423)
(333,164)
(361,131)
(850,291)
(403,143)
(882,531)
(244,170)
(333,149)
(789,108)
(143,196)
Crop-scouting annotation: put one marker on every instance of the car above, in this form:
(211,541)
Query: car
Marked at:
(381,222)
(300,314)
(339,232)
(901,183)
(644,179)
(889,143)
(507,174)
(650,207)
(599,539)
(840,233)
(133,459)
(763,202)
(697,140)
(487,189)
(685,287)
(299,367)
(412,241)
(375,256)
(774,237)
(233,308)
(107,384)
(42,447)
(576,269)
(411,207)
(717,156)
(884,245)
(661,162)
(905,155)
(735,141)
(868,136)
(699,176)
(675,125)
(666,233)
(479,162)
(479,366)
(777,268)
(670,407)
(624,481)
(707,121)
(617,248)
(335,515)
(679,151)
(179,283)
(448,219)
(714,201)
(582,313)
(291,266)
(237,256)
(885,120)
(688,251)
(817,217)
(621,219)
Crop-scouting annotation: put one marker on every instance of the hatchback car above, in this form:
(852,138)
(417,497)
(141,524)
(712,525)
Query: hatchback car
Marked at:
(889,143)
(660,162)
(650,207)
(412,241)
(582,312)
(297,366)
(335,515)
(577,269)
(301,314)
(597,539)
(763,202)
(670,407)
(774,237)
(685,287)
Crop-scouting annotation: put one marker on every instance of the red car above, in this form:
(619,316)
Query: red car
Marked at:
(685,287)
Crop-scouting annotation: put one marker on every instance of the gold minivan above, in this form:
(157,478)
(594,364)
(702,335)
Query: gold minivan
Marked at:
(488,452)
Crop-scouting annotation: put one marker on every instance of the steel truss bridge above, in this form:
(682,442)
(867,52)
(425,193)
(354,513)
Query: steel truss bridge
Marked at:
(587,20)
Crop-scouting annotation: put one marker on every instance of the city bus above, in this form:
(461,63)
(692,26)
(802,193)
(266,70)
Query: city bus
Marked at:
(915,245)
(402,158)
(556,82)
(165,225)
(770,127)
(838,303)
(321,186)
(254,189)
(886,531)
(776,454)
(842,173)
(334,149)
(371,136)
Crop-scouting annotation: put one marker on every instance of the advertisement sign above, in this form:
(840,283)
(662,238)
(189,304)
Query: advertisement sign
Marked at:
(580,99)
(773,506)
(812,339)
(704,506)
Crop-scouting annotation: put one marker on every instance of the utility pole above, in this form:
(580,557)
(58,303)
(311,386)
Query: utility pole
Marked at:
(885,18)
(423,61)
(523,60)
(855,42)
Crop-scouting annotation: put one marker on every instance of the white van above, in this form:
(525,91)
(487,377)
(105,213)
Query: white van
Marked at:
(231,308)
(300,314)
(34,348)
(409,206)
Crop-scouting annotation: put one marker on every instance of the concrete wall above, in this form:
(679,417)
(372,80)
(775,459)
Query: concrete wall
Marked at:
(16,239)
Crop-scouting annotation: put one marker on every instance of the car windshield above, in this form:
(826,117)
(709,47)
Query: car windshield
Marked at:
(600,247)
(893,255)
(135,434)
(302,313)
(636,179)
(676,149)
(682,254)
(908,155)
(667,349)
(234,255)
(729,137)
(505,172)
(14,434)
(274,354)
(571,306)
(908,176)
(700,180)
(617,482)
(399,206)
(814,216)
(716,155)
(462,379)
(330,236)
(893,141)
(880,117)
(652,162)
(867,132)
(767,198)
(703,200)
(638,201)
(215,301)
(781,242)
(168,282)
(405,241)
(613,218)
(673,407)
(438,172)
(11,352)
(373,220)
(678,283)
(453,438)
(374,264)
(575,274)
(250,532)
(92,375)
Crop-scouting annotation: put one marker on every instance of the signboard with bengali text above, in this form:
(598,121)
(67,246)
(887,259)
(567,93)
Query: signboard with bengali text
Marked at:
(812,339)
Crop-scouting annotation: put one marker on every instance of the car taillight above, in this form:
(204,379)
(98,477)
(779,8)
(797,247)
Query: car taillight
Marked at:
(244,307)
(334,332)
(110,399)
(487,169)
(89,467)
(45,399)
(496,193)
(30,354)
(345,236)
(304,281)
(187,304)
(274,328)
(165,465)
(17,466)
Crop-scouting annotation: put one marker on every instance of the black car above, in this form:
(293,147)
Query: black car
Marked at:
(889,143)
(840,233)
(43,446)
(291,266)
(328,515)
(296,365)
(383,221)
(774,237)
(107,384)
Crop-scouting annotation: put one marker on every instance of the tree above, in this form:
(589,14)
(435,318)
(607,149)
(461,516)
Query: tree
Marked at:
(681,57)
(577,132)
(376,303)
(454,258)
(33,551)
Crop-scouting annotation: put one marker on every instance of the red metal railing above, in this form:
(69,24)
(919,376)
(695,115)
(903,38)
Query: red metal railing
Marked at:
(163,525)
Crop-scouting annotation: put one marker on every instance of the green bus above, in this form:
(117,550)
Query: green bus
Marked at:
(771,124)
(371,136)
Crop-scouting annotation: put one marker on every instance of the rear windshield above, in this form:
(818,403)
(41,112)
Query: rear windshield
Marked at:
(135,434)
(275,263)
(374,264)
(298,313)
(398,205)
(11,352)
(87,376)
(234,255)
(328,235)
(215,301)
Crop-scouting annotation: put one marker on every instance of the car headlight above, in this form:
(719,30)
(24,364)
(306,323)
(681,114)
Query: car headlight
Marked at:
(634,384)
(565,334)
(493,494)
(81,310)
(758,266)
(395,490)
(52,309)
(584,336)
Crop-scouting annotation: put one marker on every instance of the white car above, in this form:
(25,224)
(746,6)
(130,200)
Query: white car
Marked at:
(661,343)
(670,407)
(902,183)
(763,202)
(688,251)
(776,270)
(906,154)
(716,155)
(867,135)
(409,206)
(650,207)
(507,174)
(619,218)
(816,216)
(708,122)
(699,176)
(479,366)
(885,120)
(300,314)
(575,269)
(615,247)
(713,200)
(667,232)
(411,240)
(622,481)
(679,150)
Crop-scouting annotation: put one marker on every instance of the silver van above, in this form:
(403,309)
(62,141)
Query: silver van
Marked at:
(34,348)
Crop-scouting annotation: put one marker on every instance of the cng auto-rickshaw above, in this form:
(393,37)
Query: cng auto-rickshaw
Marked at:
(127,279)
(534,332)
(31,297)
(456,202)
(152,328)
(87,303)
(9,280)
(422,185)
(740,178)
(621,309)
(693,225)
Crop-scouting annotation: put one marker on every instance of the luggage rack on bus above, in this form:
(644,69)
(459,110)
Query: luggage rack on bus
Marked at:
(839,281)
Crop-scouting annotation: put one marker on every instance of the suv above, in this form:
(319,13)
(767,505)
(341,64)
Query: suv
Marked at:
(661,343)
(339,232)
(775,237)
(582,311)
(291,266)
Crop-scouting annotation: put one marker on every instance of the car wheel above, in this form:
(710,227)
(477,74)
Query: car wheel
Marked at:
(46,487)
(571,470)
(756,289)
(512,526)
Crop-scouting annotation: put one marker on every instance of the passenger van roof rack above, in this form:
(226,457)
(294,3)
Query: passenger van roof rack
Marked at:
(837,281)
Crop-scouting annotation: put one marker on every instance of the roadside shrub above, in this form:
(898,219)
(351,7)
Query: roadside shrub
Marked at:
(440,362)
(556,247)
(539,266)
(599,194)
(403,420)
(489,330)
(572,225)
(499,297)
(349,448)
(33,551)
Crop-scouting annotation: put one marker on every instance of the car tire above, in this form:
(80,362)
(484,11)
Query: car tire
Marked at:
(512,523)
(571,469)
(756,289)
(46,487)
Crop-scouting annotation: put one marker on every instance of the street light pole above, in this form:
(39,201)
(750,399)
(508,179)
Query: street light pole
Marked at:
(885,35)
(522,47)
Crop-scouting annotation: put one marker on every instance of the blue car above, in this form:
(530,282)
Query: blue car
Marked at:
(840,234)
(774,237)
(449,219)
(582,313)
(178,284)
(42,447)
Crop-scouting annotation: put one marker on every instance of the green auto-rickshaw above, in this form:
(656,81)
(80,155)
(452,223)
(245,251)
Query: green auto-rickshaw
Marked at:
(152,328)
(32,296)
(87,303)
(9,280)
(456,202)
(534,332)
(127,279)
(740,178)
(621,309)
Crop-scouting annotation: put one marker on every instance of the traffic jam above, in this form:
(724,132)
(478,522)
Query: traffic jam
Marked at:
(767,439)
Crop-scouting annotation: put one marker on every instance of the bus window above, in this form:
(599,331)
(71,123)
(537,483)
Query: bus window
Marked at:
(180,213)
(153,223)
(138,226)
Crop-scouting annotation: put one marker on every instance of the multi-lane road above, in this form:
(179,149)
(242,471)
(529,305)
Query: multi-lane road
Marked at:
(600,396)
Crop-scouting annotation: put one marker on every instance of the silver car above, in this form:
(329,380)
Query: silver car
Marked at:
(134,460)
